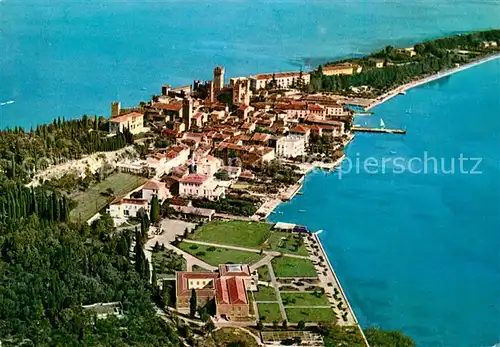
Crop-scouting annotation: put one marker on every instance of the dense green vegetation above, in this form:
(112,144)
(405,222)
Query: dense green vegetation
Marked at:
(237,207)
(17,201)
(24,152)
(400,67)
(50,271)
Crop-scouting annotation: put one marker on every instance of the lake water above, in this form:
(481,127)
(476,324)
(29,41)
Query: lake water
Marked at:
(415,252)
(419,251)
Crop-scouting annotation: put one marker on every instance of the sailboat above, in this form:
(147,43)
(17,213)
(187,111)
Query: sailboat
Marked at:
(382,124)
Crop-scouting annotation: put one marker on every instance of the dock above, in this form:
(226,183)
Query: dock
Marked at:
(378,130)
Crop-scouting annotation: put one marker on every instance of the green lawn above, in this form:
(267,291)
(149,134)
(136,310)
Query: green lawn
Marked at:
(304,299)
(286,243)
(295,315)
(293,267)
(166,262)
(92,201)
(216,255)
(265,294)
(236,233)
(269,313)
(264,273)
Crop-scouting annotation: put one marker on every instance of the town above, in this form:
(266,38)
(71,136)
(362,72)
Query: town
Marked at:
(216,158)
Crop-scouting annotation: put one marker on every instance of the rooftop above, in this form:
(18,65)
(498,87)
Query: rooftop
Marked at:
(194,178)
(126,117)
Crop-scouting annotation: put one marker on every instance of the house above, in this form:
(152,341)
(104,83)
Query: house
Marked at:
(132,121)
(203,284)
(280,79)
(341,69)
(231,298)
(379,63)
(152,188)
(200,186)
(202,213)
(233,172)
(242,271)
(104,310)
(208,165)
(228,288)
(290,146)
(301,131)
(122,208)
(260,139)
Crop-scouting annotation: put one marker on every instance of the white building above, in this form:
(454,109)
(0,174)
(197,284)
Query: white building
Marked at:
(152,188)
(158,164)
(132,121)
(200,186)
(122,208)
(208,165)
(290,146)
(282,79)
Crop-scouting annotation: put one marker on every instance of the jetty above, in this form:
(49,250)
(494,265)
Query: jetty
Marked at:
(378,130)
(364,113)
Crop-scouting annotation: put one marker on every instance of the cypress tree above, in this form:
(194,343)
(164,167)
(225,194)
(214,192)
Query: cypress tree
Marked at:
(193,303)
(155,210)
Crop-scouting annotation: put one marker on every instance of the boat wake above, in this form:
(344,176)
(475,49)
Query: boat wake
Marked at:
(7,102)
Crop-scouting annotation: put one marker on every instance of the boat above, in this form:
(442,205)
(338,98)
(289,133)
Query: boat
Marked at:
(356,126)
(7,102)
(302,211)
(393,152)
(382,124)
(402,92)
(300,193)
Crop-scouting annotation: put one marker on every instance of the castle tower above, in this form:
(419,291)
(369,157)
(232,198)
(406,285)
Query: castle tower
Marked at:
(218,78)
(210,91)
(115,108)
(241,91)
(187,112)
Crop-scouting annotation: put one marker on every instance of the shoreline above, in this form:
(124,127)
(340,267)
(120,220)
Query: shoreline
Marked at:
(339,286)
(394,92)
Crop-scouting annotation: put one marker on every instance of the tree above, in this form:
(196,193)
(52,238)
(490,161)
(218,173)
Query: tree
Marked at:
(260,326)
(209,327)
(378,337)
(155,210)
(284,324)
(301,325)
(193,303)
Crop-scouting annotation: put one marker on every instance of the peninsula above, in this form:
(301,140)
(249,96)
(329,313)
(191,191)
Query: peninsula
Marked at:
(149,227)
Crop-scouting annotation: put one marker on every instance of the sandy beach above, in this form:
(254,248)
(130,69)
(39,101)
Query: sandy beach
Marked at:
(389,95)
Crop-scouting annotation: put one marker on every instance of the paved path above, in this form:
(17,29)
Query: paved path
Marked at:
(245,249)
(324,306)
(278,296)
(261,262)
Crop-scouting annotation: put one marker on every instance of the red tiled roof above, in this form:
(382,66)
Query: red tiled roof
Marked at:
(126,117)
(260,137)
(230,291)
(182,283)
(167,107)
(266,76)
(194,178)
(153,185)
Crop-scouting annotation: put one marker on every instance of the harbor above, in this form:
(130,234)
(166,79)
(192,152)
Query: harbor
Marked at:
(378,130)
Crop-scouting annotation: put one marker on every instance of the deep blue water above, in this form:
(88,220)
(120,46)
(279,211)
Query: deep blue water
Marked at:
(67,58)
(419,252)
(415,252)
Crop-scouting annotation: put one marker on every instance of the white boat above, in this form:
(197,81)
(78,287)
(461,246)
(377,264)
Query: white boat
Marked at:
(7,102)
(402,92)
(382,124)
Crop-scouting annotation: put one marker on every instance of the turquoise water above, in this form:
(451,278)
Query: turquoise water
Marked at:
(66,58)
(420,252)
(415,252)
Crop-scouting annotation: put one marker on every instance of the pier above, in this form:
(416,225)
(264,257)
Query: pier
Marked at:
(378,130)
